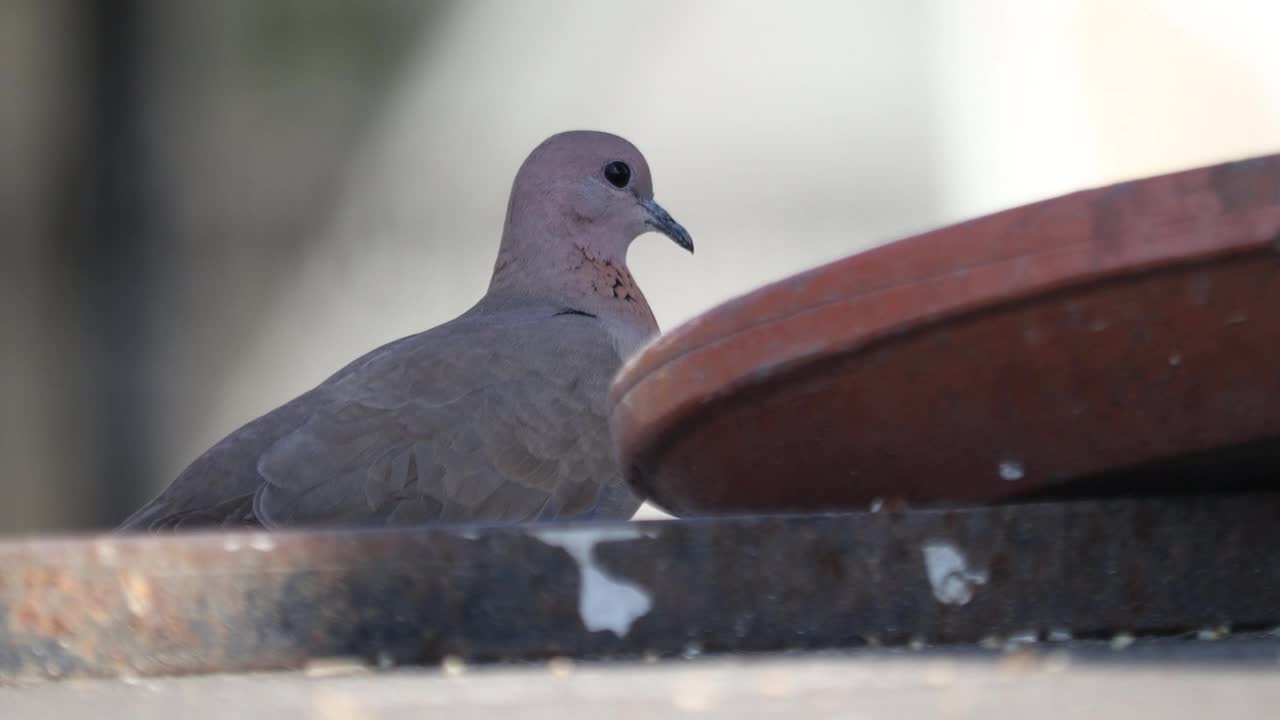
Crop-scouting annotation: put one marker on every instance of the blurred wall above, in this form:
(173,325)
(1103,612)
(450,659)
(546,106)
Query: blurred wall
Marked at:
(317,178)
(42,451)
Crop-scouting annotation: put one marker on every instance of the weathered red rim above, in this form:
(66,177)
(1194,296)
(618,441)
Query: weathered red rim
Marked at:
(1016,256)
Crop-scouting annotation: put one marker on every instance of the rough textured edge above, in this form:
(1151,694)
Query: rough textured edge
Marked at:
(103,606)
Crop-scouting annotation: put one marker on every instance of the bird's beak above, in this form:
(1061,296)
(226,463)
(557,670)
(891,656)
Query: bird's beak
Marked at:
(662,221)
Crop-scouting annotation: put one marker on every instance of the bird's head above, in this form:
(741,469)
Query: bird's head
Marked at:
(588,189)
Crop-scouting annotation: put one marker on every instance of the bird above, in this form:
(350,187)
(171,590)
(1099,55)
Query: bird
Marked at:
(496,416)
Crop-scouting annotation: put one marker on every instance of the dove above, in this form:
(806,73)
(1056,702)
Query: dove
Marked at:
(496,416)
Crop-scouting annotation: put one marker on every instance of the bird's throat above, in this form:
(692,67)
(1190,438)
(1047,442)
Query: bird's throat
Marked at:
(608,282)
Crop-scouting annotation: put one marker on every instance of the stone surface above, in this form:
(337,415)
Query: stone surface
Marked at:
(1235,678)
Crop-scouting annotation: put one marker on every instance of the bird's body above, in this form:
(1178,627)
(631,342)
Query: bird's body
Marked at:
(498,415)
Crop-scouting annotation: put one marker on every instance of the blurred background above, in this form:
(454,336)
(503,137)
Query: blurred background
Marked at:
(207,207)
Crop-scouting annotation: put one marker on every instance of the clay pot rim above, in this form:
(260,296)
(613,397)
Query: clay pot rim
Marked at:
(637,429)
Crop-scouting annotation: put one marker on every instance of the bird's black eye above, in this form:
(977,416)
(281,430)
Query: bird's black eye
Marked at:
(617,173)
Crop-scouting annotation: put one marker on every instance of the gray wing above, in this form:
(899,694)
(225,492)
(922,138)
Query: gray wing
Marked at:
(493,418)
(497,417)
(217,489)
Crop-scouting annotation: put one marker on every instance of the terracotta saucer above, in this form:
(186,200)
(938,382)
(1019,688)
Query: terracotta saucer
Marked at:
(1001,356)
